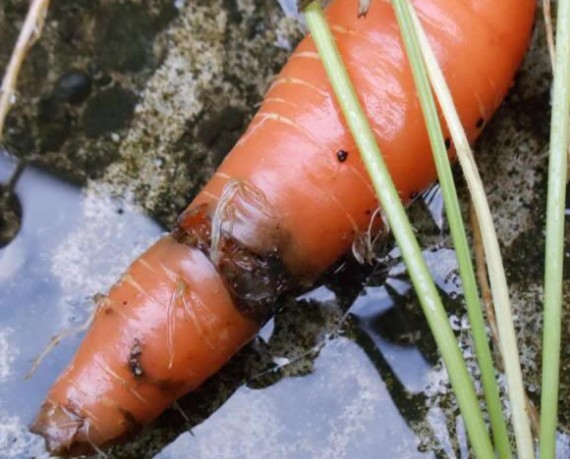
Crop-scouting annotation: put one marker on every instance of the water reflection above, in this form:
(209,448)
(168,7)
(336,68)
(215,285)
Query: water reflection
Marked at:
(48,274)
(342,409)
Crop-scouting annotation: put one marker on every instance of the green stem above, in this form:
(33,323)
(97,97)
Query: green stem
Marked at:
(408,26)
(557,171)
(498,280)
(397,218)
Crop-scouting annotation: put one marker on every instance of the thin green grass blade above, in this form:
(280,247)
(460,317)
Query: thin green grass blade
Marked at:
(410,33)
(557,171)
(397,218)
(490,242)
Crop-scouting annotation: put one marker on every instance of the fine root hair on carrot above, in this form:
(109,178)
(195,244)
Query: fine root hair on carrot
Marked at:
(29,34)
(363,6)
(176,407)
(365,243)
(177,297)
(238,201)
(224,218)
(55,340)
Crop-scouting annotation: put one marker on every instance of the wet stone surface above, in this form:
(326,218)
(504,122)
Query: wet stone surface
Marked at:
(146,96)
(125,108)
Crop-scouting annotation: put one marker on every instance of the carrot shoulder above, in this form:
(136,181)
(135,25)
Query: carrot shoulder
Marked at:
(287,202)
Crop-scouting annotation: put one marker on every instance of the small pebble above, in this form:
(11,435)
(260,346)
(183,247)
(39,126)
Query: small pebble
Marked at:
(73,87)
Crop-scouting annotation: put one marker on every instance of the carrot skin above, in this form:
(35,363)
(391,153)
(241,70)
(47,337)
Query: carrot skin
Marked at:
(285,204)
(135,359)
(299,128)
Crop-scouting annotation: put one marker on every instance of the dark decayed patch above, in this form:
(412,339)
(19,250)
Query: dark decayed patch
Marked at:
(135,360)
(255,281)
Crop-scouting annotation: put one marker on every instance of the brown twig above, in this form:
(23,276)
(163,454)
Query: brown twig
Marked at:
(487,298)
(29,34)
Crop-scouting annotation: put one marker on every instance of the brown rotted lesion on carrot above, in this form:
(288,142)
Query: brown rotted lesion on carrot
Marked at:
(134,362)
(256,281)
(136,369)
(194,228)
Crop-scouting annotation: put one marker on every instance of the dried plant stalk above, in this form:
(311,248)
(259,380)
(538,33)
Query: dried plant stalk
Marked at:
(29,34)
(487,298)
(547,13)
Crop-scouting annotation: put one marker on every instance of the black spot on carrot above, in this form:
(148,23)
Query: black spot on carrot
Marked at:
(479,123)
(447,143)
(342,156)
(368,212)
(135,360)
(124,303)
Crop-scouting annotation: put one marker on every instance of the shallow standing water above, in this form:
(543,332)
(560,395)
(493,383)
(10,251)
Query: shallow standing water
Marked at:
(349,370)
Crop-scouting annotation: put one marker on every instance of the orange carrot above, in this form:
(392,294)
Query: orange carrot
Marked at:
(286,203)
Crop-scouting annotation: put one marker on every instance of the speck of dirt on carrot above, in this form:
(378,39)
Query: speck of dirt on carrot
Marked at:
(342,156)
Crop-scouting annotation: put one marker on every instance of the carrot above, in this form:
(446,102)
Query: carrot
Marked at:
(289,200)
